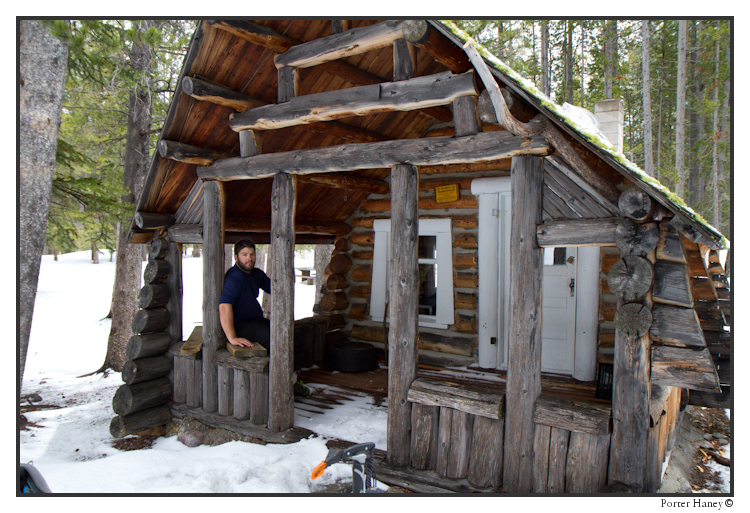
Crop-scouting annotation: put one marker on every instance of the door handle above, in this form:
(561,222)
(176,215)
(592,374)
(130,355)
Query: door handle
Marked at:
(572,287)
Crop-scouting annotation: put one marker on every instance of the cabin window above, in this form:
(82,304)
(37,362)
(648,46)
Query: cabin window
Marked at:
(435,260)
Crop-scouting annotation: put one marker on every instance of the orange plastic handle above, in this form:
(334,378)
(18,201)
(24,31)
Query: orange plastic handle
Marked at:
(318,471)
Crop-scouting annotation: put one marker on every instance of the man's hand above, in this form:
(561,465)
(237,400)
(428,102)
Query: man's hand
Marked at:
(239,341)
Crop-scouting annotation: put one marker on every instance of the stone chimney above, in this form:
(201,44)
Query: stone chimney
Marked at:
(611,118)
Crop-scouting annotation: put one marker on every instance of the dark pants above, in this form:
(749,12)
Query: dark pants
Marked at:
(258,331)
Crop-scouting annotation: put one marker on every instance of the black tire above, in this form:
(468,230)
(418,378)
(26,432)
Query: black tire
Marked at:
(350,357)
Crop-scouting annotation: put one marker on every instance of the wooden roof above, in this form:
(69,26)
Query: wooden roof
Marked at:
(239,55)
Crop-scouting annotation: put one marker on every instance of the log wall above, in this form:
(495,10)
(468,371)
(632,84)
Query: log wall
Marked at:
(141,403)
(461,337)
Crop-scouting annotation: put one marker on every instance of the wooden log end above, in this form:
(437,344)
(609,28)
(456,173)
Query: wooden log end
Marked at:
(633,320)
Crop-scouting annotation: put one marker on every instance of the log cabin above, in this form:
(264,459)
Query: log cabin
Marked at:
(479,228)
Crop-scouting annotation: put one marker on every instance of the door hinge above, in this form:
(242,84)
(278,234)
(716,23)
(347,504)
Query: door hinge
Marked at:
(496,212)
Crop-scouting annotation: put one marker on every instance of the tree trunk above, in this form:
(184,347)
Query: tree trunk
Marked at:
(569,62)
(545,58)
(610,56)
(648,150)
(695,161)
(43,63)
(129,256)
(322,257)
(715,166)
(680,122)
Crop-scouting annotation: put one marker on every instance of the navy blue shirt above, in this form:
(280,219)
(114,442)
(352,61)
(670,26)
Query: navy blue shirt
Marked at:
(241,291)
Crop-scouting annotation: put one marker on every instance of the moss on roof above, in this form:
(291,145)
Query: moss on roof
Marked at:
(589,133)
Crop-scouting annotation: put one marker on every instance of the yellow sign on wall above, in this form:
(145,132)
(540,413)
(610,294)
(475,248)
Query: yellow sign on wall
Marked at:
(446,193)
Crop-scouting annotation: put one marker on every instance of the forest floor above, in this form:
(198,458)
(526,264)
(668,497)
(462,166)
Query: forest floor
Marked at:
(698,462)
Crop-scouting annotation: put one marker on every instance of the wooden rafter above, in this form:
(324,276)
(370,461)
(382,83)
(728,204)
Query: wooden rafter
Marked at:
(268,38)
(344,44)
(417,93)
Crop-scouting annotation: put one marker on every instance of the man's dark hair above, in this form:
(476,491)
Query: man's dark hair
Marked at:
(242,244)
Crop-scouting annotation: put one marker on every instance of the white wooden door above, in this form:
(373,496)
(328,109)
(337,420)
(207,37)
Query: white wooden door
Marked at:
(559,310)
(569,323)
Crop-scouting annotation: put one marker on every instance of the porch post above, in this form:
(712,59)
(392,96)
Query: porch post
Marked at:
(281,367)
(404,286)
(525,315)
(213,281)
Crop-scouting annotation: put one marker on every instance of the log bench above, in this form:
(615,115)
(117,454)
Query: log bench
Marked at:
(242,382)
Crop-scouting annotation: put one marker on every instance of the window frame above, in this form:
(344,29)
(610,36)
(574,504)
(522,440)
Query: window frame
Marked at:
(379,293)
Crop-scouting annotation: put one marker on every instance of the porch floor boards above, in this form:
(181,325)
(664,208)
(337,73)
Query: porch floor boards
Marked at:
(375,383)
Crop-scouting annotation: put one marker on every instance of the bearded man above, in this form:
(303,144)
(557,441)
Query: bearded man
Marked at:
(239,311)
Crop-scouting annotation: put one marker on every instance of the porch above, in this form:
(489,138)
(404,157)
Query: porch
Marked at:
(455,445)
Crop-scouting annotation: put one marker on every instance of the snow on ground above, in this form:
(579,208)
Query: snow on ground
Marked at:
(72,446)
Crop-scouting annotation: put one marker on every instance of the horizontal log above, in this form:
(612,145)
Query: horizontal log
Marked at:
(157,248)
(636,239)
(150,321)
(472,400)
(633,320)
(683,367)
(676,326)
(132,398)
(406,95)
(359,311)
(189,154)
(417,152)
(149,344)
(144,369)
(348,182)
(465,346)
(259,224)
(152,221)
(636,204)
(384,205)
(572,415)
(465,260)
(582,232)
(157,271)
(363,238)
(242,427)
(361,290)
(340,263)
(204,90)
(256,34)
(334,301)
(343,44)
(253,364)
(185,233)
(337,282)
(630,278)
(139,421)
(153,296)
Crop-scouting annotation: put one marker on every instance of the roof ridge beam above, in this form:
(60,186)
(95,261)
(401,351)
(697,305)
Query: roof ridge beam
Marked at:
(344,44)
